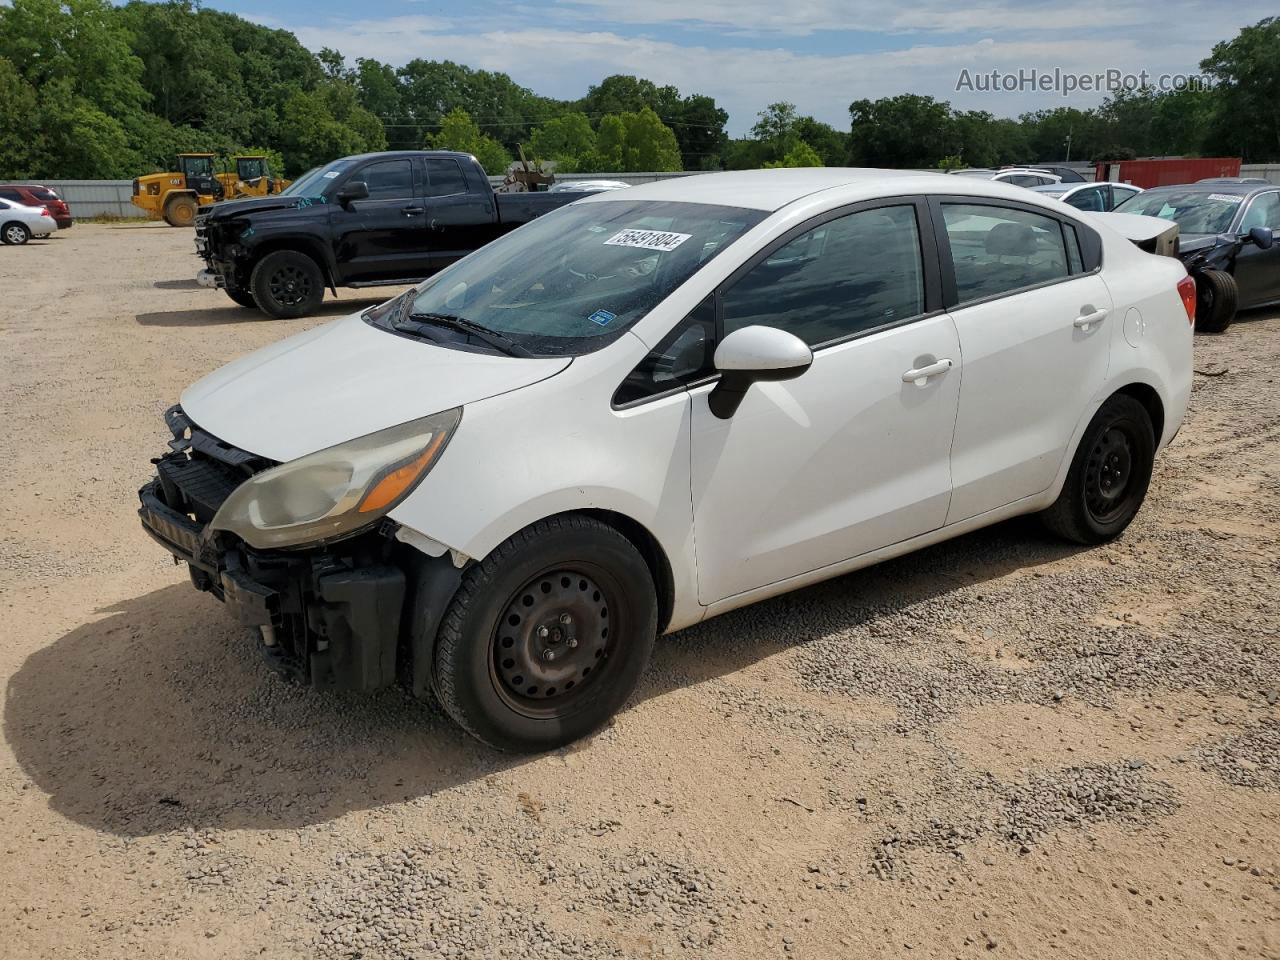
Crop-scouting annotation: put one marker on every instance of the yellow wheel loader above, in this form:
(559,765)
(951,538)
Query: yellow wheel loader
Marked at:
(177,197)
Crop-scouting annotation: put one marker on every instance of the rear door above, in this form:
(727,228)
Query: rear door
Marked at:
(383,237)
(1258,271)
(1033,318)
(461,213)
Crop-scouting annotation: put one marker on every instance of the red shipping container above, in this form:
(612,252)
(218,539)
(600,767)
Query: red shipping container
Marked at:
(1160,173)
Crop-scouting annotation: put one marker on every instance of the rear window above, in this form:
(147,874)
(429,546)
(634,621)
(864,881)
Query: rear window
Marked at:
(44,194)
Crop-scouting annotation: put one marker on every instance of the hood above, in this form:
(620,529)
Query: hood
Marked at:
(226,209)
(1191,242)
(343,380)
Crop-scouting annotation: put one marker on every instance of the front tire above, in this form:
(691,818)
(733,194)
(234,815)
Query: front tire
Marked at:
(181,211)
(287,284)
(1109,474)
(548,636)
(15,234)
(1217,297)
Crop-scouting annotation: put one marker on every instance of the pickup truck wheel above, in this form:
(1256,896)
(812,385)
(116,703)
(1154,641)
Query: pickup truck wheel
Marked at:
(547,637)
(242,297)
(1216,298)
(180,212)
(287,284)
(15,234)
(1109,474)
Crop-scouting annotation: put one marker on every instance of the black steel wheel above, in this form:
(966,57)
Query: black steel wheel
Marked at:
(548,636)
(1109,474)
(287,284)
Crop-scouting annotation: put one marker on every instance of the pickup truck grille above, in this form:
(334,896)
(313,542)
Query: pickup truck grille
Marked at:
(202,235)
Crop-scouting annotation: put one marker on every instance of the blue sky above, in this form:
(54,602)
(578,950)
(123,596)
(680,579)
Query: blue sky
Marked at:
(819,54)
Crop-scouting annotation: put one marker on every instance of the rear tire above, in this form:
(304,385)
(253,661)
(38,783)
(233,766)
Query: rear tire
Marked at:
(181,211)
(15,234)
(548,636)
(287,284)
(1216,299)
(1109,474)
(242,297)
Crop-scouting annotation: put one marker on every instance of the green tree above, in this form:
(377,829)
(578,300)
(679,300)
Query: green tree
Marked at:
(649,143)
(1246,120)
(697,123)
(908,131)
(459,132)
(800,155)
(829,143)
(326,123)
(565,139)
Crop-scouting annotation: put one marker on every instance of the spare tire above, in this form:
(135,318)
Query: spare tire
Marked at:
(1216,298)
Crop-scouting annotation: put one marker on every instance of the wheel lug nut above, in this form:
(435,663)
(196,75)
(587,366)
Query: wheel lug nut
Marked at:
(543,633)
(572,641)
(548,654)
(566,619)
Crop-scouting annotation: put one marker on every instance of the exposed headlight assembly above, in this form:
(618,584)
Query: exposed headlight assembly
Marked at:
(337,491)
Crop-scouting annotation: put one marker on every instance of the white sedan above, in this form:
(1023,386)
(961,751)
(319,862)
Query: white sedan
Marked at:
(19,223)
(660,404)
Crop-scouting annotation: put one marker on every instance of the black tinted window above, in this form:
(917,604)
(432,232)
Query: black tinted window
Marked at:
(388,180)
(996,249)
(444,178)
(683,356)
(850,274)
(11,195)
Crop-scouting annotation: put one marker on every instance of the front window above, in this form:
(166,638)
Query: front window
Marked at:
(251,168)
(318,181)
(1194,211)
(573,280)
(197,166)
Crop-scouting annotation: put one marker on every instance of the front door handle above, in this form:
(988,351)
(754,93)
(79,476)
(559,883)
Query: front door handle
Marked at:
(1088,319)
(410,211)
(920,375)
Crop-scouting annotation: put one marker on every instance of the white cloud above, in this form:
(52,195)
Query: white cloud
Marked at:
(560,62)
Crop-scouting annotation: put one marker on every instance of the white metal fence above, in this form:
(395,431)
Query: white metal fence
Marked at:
(110,198)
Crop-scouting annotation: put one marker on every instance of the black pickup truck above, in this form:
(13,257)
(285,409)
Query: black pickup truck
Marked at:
(370,220)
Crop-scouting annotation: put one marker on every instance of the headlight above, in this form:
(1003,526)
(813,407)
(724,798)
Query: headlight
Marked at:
(337,491)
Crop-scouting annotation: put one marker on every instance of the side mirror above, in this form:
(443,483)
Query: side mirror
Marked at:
(355,190)
(752,354)
(1263,237)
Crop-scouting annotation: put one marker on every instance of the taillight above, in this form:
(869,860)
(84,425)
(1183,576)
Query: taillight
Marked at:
(1187,291)
(44,212)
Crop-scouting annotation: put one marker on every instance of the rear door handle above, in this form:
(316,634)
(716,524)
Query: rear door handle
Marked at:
(1086,320)
(410,211)
(920,375)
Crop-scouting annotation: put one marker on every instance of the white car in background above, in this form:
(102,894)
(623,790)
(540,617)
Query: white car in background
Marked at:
(1017,176)
(587,186)
(1100,197)
(659,404)
(19,223)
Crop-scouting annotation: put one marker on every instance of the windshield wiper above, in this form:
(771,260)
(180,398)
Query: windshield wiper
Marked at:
(413,322)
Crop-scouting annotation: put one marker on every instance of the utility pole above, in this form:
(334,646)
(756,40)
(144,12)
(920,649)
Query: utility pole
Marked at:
(1068,160)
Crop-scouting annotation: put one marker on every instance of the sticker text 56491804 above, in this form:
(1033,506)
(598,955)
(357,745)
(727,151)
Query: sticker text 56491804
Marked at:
(661,240)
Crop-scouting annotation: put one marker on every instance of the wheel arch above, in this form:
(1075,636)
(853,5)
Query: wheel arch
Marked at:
(1149,397)
(435,580)
(307,247)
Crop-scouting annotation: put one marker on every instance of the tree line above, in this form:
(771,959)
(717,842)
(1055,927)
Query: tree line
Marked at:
(97,91)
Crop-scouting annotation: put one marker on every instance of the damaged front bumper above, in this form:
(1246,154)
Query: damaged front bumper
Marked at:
(330,616)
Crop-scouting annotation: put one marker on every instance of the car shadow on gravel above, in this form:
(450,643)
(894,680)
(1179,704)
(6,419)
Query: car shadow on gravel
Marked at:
(160,714)
(219,316)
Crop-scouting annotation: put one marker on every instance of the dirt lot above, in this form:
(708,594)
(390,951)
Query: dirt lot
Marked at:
(1000,746)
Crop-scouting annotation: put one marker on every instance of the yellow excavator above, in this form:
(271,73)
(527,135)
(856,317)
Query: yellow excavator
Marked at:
(177,197)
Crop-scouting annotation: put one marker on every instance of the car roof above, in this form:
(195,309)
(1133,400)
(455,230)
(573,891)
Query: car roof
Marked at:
(1231,189)
(772,190)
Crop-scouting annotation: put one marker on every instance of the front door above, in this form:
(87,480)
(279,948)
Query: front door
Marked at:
(1035,329)
(383,237)
(852,455)
(1257,271)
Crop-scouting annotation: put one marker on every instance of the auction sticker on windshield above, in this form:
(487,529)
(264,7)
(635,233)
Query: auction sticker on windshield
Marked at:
(1227,197)
(648,239)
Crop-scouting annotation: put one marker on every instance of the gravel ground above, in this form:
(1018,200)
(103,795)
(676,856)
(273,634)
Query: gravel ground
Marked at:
(1001,745)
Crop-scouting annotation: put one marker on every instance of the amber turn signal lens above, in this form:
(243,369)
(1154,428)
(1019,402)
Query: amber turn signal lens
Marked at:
(396,483)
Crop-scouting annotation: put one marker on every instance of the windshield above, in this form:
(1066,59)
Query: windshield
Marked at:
(571,281)
(1194,211)
(315,182)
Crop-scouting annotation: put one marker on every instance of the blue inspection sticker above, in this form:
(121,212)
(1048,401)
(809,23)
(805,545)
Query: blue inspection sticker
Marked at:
(603,317)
